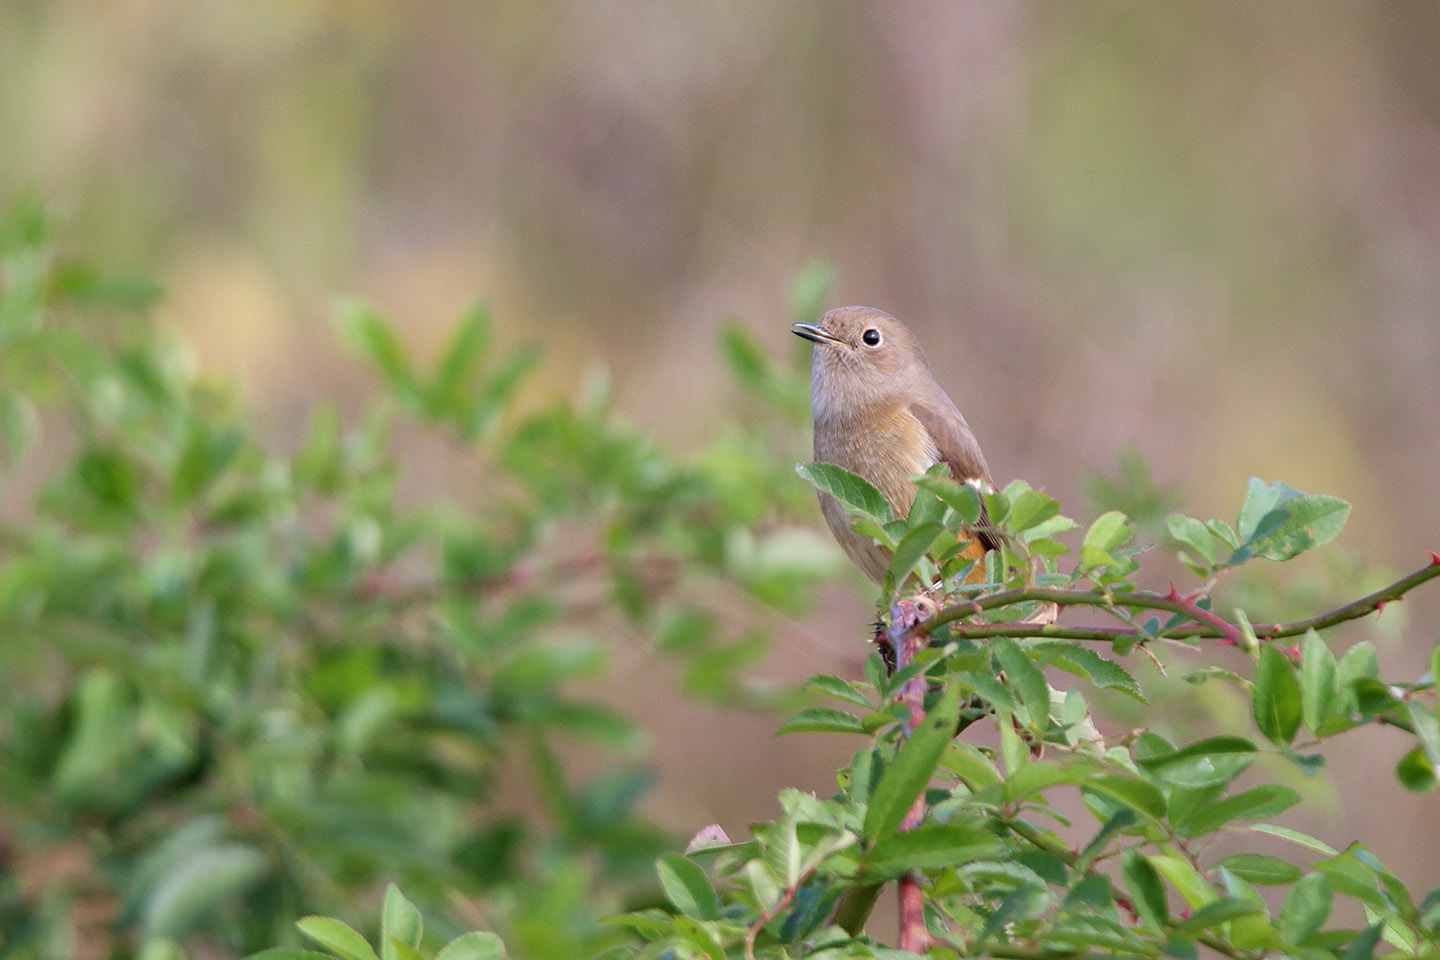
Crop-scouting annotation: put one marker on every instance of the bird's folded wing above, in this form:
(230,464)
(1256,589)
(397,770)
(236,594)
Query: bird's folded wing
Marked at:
(961,451)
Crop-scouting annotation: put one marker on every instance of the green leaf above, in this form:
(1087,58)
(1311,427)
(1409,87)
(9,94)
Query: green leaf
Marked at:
(1193,534)
(840,689)
(1217,912)
(822,720)
(1146,889)
(908,552)
(1263,801)
(1088,665)
(1259,868)
(1294,836)
(337,937)
(962,497)
(1184,877)
(1278,708)
(374,336)
(1108,533)
(686,886)
(1363,946)
(855,492)
(480,945)
(1278,522)
(399,921)
(1427,729)
(1131,791)
(1122,820)
(1416,771)
(461,359)
(1205,763)
(1306,908)
(930,846)
(914,764)
(1026,679)
(1031,509)
(290,953)
(1318,687)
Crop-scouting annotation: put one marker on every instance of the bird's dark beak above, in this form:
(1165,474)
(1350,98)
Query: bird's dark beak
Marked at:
(811,332)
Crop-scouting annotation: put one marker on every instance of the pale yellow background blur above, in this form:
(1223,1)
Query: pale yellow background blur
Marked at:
(1210,232)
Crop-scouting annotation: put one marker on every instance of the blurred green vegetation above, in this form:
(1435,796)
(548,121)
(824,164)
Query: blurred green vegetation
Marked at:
(245,684)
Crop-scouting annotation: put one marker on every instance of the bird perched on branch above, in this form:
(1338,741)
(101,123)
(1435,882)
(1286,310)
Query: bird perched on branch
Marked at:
(879,413)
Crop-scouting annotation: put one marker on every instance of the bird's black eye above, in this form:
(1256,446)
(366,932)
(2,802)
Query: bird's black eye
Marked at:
(871,337)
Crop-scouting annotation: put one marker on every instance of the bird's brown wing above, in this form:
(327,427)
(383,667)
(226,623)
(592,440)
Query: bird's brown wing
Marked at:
(961,451)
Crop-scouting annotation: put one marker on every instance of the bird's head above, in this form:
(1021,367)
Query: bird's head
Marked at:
(863,356)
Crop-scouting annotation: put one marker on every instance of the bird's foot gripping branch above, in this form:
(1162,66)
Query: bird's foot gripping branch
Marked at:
(982,833)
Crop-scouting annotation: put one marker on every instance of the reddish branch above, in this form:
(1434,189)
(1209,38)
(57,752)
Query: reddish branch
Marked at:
(907,617)
(1203,623)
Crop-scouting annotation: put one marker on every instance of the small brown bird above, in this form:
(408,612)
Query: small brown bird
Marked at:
(879,413)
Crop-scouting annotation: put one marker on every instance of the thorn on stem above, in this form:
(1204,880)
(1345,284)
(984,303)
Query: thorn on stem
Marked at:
(1434,558)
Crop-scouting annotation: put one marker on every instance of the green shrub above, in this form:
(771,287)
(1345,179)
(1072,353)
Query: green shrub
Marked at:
(246,684)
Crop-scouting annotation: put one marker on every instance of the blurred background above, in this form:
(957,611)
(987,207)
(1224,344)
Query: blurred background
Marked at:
(1207,233)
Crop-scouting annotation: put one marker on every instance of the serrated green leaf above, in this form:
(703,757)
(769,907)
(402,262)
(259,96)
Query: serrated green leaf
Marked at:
(914,764)
(1278,522)
(1089,665)
(962,497)
(686,886)
(1277,707)
(822,720)
(337,937)
(855,492)
(1109,532)
(1026,679)
(909,551)
(1030,509)
(840,689)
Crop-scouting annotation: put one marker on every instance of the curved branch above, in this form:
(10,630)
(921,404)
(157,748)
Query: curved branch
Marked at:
(1205,623)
